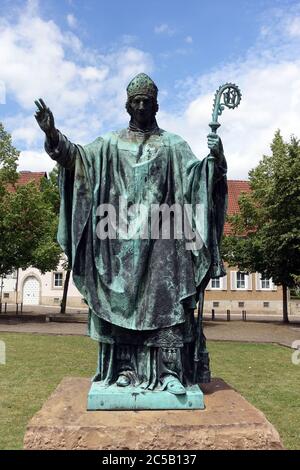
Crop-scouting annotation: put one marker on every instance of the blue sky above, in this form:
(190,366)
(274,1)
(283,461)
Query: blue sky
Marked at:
(184,37)
(79,56)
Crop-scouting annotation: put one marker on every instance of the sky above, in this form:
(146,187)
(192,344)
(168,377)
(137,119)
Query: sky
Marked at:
(79,56)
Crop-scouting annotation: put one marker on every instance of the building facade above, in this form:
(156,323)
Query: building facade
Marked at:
(236,291)
(239,291)
(31,287)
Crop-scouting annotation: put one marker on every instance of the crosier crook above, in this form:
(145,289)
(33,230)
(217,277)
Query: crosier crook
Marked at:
(229,96)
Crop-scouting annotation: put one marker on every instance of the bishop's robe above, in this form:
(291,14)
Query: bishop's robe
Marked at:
(138,290)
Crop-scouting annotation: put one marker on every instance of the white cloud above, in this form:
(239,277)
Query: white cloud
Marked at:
(269,77)
(164,28)
(189,40)
(35,161)
(293,26)
(2,92)
(32,7)
(72,21)
(24,129)
(268,103)
(85,89)
(129,39)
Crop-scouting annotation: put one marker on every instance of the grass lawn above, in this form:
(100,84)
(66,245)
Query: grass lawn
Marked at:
(263,374)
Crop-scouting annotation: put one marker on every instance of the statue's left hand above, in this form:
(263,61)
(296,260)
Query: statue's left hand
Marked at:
(215,145)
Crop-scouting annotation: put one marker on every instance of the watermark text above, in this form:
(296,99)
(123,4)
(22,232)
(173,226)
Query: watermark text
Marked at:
(296,354)
(2,353)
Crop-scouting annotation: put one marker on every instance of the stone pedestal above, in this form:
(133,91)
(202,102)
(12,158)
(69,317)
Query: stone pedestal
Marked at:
(228,422)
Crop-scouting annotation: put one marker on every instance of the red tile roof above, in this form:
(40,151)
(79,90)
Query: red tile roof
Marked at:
(28,176)
(235,189)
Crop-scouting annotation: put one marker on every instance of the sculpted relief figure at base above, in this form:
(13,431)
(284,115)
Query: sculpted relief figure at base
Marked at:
(141,289)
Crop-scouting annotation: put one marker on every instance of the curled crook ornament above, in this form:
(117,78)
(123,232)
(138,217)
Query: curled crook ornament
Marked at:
(227,96)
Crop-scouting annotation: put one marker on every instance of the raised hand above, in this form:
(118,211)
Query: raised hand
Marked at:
(45,118)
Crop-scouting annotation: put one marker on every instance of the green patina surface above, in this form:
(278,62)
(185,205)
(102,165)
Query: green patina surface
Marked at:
(135,398)
(141,291)
(142,282)
(134,283)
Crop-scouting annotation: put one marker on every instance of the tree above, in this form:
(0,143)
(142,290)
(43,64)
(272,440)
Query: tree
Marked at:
(50,190)
(8,161)
(266,233)
(28,226)
(51,193)
(28,222)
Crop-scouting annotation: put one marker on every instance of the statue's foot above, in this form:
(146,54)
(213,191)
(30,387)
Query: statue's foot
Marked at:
(173,385)
(123,381)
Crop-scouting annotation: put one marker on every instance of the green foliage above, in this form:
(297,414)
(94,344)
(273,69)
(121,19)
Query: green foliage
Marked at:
(28,226)
(50,190)
(51,195)
(28,217)
(266,232)
(8,160)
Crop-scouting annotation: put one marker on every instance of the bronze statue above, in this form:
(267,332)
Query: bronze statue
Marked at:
(141,291)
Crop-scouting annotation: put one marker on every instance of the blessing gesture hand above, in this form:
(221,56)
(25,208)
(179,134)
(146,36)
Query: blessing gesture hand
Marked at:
(45,119)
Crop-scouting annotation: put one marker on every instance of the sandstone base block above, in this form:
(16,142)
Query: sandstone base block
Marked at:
(228,422)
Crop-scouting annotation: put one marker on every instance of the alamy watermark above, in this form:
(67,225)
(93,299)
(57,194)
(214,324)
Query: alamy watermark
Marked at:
(296,354)
(154,221)
(2,92)
(2,353)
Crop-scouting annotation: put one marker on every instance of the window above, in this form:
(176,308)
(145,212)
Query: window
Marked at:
(240,280)
(264,283)
(58,279)
(6,295)
(218,284)
(215,283)
(241,304)
(266,304)
(216,304)
(56,300)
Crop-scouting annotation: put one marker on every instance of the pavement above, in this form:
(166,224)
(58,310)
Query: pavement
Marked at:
(50,328)
(39,309)
(254,332)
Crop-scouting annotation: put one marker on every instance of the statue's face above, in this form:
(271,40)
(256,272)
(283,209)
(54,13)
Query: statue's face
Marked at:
(142,108)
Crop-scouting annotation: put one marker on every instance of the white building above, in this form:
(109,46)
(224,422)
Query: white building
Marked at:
(31,287)
(236,291)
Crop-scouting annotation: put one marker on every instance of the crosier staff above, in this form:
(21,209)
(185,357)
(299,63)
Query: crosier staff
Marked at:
(229,96)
